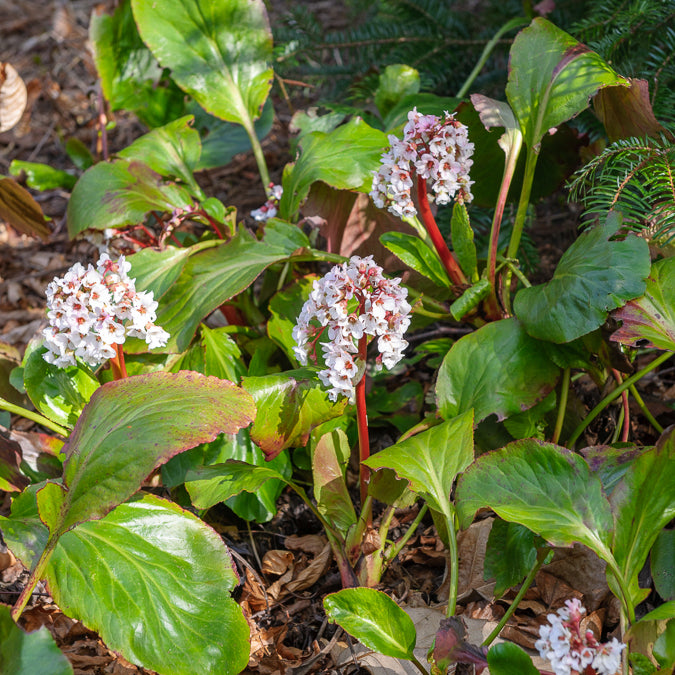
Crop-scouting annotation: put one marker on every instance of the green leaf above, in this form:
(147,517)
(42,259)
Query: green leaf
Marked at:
(25,534)
(217,51)
(643,503)
(507,658)
(157,271)
(431,459)
(294,403)
(497,369)
(20,210)
(58,393)
(595,275)
(416,254)
(661,560)
(119,193)
(462,241)
(542,486)
(510,555)
(222,356)
(330,487)
(29,653)
(11,477)
(661,613)
(133,425)
(210,485)
(285,307)
(79,154)
(173,151)
(498,114)
(344,158)
(470,299)
(208,279)
(125,577)
(285,235)
(396,81)
(42,176)
(556,85)
(374,619)
(650,320)
(664,647)
(130,75)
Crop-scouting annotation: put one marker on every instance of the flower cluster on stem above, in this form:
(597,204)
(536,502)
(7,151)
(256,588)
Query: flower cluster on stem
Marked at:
(572,652)
(92,311)
(353,301)
(270,207)
(437,151)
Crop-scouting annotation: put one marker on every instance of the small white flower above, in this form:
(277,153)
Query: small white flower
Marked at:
(351,301)
(270,208)
(92,309)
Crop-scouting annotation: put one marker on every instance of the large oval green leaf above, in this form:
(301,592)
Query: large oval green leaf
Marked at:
(497,369)
(595,275)
(29,653)
(373,618)
(506,658)
(154,581)
(542,486)
(217,50)
(130,427)
(556,85)
(431,459)
(58,393)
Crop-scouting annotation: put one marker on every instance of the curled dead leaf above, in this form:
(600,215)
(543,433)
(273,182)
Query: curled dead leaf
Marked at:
(13,97)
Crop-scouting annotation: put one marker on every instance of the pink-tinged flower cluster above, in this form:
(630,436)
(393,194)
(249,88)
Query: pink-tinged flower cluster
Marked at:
(92,309)
(352,301)
(573,653)
(438,151)
(270,207)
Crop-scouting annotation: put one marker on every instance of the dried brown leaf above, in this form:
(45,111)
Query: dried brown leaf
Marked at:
(13,97)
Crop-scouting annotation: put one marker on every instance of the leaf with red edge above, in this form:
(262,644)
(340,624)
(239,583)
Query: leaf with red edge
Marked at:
(130,427)
(649,321)
(11,478)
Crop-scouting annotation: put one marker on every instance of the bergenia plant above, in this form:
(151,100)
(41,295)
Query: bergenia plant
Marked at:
(92,311)
(351,305)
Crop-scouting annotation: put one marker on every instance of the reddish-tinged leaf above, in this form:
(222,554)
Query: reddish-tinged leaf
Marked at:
(11,478)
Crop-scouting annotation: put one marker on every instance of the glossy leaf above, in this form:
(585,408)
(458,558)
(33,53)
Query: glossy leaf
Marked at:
(643,503)
(209,485)
(210,278)
(119,193)
(20,210)
(23,531)
(396,81)
(664,647)
(415,253)
(507,658)
(133,425)
(222,356)
(330,487)
(544,487)
(661,561)
(344,158)
(294,403)
(24,653)
(130,75)
(462,241)
(498,114)
(595,275)
(470,299)
(125,577)
(497,369)
(374,619)
(431,459)
(172,151)
(556,85)
(58,393)
(217,50)
(510,555)
(649,321)
(42,176)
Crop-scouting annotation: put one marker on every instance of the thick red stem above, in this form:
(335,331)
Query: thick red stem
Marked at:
(362,420)
(451,266)
(119,367)
(626,408)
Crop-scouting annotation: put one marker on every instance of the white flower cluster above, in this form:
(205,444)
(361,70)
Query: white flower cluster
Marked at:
(351,301)
(90,310)
(570,652)
(438,151)
(269,208)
